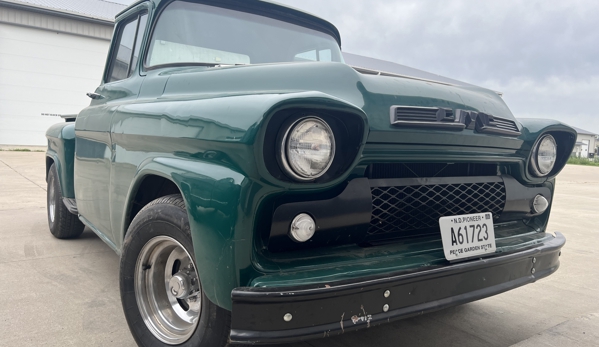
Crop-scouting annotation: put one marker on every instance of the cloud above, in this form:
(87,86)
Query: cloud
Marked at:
(542,54)
(566,99)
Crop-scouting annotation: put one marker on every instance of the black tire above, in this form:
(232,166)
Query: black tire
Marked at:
(63,224)
(165,217)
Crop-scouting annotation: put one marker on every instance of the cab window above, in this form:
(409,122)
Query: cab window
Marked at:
(125,55)
(143,19)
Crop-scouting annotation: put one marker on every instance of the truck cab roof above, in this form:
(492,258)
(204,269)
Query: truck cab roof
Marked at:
(260,7)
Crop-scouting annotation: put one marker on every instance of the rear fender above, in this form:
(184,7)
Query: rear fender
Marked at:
(61,151)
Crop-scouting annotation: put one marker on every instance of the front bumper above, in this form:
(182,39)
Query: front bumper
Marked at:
(335,308)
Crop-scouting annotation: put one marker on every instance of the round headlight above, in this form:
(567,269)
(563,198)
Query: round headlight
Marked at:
(544,156)
(308,148)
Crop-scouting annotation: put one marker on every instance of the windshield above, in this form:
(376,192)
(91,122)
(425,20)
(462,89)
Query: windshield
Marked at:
(199,34)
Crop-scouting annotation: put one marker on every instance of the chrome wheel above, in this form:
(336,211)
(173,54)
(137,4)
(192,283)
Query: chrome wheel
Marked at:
(168,290)
(51,203)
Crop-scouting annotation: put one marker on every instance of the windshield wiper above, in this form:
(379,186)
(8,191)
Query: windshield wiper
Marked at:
(208,64)
(188,64)
(219,65)
(200,64)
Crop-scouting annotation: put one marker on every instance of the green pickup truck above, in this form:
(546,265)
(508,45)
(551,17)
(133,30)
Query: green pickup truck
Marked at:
(260,190)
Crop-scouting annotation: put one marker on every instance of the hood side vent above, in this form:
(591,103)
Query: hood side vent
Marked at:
(447,119)
(488,124)
(427,117)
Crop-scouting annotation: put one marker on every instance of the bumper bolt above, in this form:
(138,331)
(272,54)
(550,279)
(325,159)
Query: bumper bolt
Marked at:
(385,308)
(287,317)
(387,293)
(533,270)
(534,260)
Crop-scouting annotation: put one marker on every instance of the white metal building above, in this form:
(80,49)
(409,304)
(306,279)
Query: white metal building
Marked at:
(586,144)
(51,53)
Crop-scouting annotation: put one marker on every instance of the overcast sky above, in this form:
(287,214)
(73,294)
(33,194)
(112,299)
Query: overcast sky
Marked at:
(542,54)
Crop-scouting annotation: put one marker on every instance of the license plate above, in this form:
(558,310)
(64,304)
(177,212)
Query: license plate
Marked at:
(467,236)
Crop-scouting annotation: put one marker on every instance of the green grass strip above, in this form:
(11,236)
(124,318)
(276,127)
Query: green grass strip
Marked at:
(583,161)
(20,150)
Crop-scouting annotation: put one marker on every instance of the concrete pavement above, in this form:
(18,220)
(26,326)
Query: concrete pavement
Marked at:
(65,293)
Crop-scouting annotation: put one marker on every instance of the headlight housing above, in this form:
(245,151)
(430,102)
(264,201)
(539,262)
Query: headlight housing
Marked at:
(308,149)
(544,156)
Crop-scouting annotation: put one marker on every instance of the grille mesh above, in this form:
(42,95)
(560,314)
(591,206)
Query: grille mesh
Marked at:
(417,207)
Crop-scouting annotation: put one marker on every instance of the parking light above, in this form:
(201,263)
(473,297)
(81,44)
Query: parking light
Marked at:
(302,228)
(540,204)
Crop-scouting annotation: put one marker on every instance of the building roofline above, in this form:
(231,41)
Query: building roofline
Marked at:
(55,11)
(584,132)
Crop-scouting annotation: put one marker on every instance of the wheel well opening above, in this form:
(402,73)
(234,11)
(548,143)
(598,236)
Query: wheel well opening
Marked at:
(49,162)
(150,189)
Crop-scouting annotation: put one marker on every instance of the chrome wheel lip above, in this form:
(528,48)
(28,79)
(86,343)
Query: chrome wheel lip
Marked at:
(51,202)
(160,310)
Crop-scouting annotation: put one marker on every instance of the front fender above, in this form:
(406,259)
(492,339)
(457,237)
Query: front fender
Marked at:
(61,149)
(212,194)
(211,148)
(532,130)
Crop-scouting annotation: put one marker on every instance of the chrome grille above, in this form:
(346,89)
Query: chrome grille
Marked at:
(417,204)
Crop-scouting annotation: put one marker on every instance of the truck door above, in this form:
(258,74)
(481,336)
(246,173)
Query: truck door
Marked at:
(94,146)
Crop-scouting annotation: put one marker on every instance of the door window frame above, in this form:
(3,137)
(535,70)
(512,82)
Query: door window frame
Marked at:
(116,44)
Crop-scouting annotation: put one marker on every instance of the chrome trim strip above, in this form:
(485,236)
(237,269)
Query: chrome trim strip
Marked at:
(389,74)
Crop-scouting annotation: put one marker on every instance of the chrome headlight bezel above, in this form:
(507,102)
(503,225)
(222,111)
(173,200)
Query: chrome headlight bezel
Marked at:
(285,156)
(534,158)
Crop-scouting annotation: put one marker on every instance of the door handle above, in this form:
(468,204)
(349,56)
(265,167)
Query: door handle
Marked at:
(95,96)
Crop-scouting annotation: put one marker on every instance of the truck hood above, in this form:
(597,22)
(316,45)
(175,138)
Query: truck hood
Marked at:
(373,94)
